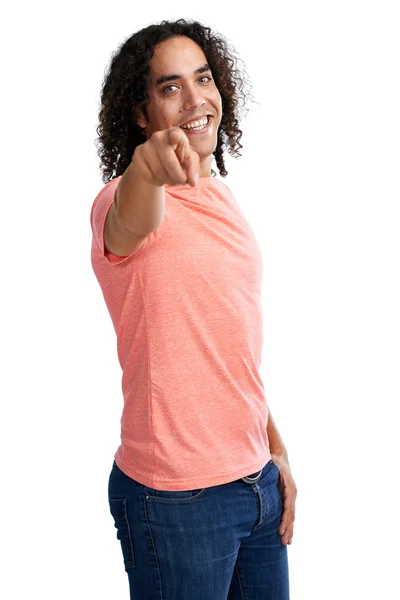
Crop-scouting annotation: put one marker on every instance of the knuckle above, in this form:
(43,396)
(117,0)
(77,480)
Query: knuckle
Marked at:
(147,153)
(169,164)
(175,134)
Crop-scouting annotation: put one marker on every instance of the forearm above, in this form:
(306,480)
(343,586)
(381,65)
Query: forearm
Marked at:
(276,445)
(140,205)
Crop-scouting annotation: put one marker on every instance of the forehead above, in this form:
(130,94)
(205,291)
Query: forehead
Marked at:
(180,55)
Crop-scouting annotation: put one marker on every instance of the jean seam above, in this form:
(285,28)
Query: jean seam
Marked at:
(240,583)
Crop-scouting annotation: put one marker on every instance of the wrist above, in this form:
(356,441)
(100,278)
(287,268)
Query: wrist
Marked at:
(280,456)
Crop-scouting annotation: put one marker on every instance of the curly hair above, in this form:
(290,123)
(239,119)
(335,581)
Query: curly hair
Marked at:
(124,89)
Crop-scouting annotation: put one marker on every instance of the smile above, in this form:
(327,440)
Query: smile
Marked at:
(199,125)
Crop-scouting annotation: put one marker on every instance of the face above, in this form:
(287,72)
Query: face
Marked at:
(182,90)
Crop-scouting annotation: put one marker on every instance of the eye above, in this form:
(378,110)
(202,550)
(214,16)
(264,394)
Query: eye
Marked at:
(169,86)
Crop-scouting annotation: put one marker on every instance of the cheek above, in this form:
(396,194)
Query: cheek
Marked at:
(217,100)
(218,105)
(166,115)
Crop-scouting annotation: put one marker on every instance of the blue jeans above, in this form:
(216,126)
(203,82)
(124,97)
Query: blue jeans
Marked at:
(215,543)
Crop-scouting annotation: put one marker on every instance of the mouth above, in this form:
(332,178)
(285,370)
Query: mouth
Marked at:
(197,125)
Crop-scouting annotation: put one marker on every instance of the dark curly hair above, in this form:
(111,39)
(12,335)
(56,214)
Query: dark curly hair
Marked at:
(124,89)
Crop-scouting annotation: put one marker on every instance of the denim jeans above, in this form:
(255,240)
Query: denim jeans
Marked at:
(215,543)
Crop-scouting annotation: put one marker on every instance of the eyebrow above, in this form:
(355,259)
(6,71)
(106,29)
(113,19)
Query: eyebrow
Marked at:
(174,76)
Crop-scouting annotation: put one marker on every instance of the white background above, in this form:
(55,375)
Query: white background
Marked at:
(318,181)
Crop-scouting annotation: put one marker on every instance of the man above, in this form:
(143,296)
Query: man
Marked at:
(201,489)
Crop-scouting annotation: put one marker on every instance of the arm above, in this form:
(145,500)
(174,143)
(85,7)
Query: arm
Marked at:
(276,444)
(139,204)
(287,485)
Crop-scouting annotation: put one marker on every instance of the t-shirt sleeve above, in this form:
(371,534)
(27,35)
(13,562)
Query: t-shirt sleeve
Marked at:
(98,215)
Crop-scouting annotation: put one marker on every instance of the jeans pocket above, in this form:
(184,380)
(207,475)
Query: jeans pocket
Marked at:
(180,496)
(118,509)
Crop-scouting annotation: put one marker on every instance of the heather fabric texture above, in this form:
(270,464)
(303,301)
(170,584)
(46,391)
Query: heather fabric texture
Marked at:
(187,314)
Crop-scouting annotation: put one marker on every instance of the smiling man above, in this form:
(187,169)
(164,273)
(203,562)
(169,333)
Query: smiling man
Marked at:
(188,98)
(200,490)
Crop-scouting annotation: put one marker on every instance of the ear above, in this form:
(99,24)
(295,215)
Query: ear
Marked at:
(140,116)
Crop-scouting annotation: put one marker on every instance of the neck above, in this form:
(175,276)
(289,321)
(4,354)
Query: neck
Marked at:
(205,167)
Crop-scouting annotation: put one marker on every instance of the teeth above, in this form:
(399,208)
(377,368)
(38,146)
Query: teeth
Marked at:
(195,124)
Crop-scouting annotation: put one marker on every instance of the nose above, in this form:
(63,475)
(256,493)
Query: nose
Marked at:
(193,98)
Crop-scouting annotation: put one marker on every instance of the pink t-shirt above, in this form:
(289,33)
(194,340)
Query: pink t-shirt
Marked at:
(187,314)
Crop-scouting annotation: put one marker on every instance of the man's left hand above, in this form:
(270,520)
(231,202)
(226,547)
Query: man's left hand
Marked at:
(288,491)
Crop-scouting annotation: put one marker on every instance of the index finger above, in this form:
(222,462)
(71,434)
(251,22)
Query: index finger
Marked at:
(180,143)
(191,171)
